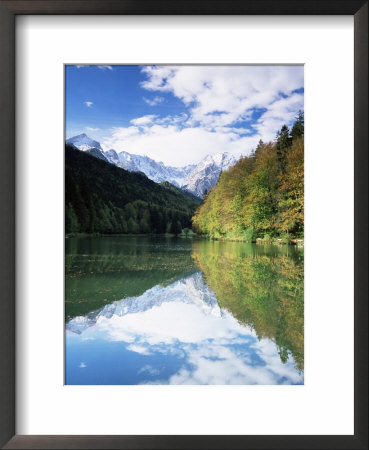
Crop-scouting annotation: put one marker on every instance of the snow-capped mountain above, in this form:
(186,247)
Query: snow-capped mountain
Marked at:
(83,142)
(112,156)
(156,171)
(196,179)
(206,174)
(97,153)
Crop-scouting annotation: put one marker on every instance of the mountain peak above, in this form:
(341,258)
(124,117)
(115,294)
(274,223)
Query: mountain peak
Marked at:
(97,153)
(206,174)
(196,179)
(83,142)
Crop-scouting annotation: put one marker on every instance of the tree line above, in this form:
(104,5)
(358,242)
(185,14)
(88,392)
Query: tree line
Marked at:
(102,198)
(262,195)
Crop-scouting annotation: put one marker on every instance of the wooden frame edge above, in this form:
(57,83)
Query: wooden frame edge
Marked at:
(8,10)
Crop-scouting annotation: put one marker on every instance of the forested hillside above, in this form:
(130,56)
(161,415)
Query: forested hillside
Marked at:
(262,195)
(100,197)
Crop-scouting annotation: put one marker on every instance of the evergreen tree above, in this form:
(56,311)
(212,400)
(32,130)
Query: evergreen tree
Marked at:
(132,226)
(155,220)
(81,210)
(258,149)
(124,227)
(176,227)
(144,225)
(163,222)
(129,211)
(284,141)
(298,127)
(92,214)
(71,220)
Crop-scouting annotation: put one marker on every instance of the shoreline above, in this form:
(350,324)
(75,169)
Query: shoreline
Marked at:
(299,242)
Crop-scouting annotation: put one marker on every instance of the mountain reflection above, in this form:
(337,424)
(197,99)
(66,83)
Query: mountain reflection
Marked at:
(191,331)
(105,269)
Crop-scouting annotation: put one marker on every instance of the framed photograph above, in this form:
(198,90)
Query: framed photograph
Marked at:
(146,244)
(184,224)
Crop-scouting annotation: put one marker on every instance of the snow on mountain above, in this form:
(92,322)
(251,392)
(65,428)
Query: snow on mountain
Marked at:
(206,174)
(156,171)
(97,153)
(196,179)
(83,142)
(112,157)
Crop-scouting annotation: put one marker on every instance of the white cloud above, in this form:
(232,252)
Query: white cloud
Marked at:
(142,350)
(176,145)
(144,120)
(159,325)
(221,365)
(224,94)
(150,370)
(103,67)
(160,307)
(88,104)
(154,101)
(224,104)
(82,365)
(92,129)
(282,111)
(220,96)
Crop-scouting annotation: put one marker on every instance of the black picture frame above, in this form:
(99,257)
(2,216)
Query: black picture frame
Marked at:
(8,11)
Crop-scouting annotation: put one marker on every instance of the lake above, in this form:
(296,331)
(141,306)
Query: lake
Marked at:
(162,310)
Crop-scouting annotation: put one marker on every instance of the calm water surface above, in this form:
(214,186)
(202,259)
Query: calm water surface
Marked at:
(156,310)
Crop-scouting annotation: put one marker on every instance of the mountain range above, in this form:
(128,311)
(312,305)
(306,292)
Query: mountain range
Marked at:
(195,178)
(190,290)
(103,198)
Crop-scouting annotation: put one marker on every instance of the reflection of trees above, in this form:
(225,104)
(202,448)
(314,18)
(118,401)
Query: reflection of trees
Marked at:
(103,270)
(114,254)
(263,288)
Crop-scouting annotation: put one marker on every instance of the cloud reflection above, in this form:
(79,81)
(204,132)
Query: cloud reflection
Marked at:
(183,321)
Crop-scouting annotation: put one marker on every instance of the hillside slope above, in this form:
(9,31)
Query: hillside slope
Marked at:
(100,197)
(262,196)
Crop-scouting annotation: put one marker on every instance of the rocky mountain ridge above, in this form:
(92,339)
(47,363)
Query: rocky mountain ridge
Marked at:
(195,178)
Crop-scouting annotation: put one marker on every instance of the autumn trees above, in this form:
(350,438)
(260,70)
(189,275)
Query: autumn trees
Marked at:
(262,194)
(291,190)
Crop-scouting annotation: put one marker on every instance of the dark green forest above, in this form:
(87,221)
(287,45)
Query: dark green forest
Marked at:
(262,195)
(102,198)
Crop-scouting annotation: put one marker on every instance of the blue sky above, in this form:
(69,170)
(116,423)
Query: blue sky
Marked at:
(179,114)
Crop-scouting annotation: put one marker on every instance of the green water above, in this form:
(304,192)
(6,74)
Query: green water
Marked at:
(100,270)
(255,292)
